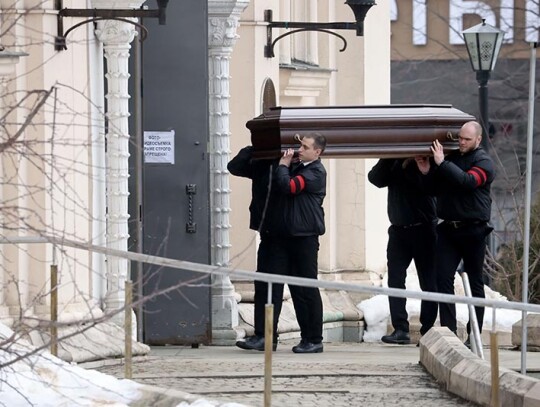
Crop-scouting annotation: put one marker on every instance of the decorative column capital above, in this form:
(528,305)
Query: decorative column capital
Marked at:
(114,32)
(223,16)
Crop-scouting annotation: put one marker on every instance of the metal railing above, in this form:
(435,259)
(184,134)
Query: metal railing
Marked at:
(298,281)
(274,278)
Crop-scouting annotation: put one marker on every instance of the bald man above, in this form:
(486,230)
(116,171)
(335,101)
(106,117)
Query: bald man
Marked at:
(462,181)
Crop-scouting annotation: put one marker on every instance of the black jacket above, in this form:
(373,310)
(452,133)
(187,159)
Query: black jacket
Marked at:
(408,201)
(261,172)
(304,189)
(463,186)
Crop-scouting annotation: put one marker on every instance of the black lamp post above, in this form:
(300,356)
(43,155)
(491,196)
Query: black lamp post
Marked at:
(483,44)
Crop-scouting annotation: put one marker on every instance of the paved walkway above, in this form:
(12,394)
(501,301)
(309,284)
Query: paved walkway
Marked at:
(346,374)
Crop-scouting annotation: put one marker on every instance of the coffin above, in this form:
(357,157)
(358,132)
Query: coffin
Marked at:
(359,131)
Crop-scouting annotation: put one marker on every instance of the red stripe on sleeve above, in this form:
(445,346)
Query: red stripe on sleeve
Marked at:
(482,173)
(479,175)
(302,182)
(292,185)
(297,184)
(476,177)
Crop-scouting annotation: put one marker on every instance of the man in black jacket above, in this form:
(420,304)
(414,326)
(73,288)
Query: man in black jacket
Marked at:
(265,214)
(411,236)
(462,183)
(286,208)
(303,185)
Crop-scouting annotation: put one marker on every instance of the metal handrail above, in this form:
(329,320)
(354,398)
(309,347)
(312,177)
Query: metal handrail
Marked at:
(273,278)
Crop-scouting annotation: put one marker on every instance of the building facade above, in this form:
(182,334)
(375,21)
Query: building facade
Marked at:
(67,133)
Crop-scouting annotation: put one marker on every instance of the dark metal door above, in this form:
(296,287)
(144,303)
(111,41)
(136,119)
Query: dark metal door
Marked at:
(177,305)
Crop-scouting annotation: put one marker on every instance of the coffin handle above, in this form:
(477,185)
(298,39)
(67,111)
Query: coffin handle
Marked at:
(451,136)
(297,137)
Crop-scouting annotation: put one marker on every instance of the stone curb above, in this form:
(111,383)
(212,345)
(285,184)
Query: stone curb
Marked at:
(464,374)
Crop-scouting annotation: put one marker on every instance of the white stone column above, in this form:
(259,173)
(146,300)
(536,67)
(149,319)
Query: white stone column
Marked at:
(284,45)
(8,60)
(312,43)
(223,16)
(116,37)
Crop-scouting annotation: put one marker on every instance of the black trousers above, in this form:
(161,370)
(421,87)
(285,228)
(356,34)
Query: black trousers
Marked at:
(293,256)
(266,264)
(467,243)
(406,244)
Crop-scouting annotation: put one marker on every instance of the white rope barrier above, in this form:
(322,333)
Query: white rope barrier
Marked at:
(273,278)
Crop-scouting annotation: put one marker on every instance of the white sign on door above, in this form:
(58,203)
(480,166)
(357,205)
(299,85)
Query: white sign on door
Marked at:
(159,147)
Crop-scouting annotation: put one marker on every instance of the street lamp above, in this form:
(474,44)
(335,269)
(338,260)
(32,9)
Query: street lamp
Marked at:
(483,44)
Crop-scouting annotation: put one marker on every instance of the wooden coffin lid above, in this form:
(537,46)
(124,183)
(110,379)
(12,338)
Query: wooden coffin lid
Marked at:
(359,131)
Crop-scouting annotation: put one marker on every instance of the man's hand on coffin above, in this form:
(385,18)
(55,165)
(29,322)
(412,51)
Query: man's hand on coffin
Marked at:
(438,153)
(287,157)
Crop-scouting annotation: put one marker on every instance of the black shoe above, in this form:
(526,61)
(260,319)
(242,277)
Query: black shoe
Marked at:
(398,336)
(308,347)
(254,343)
(302,342)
